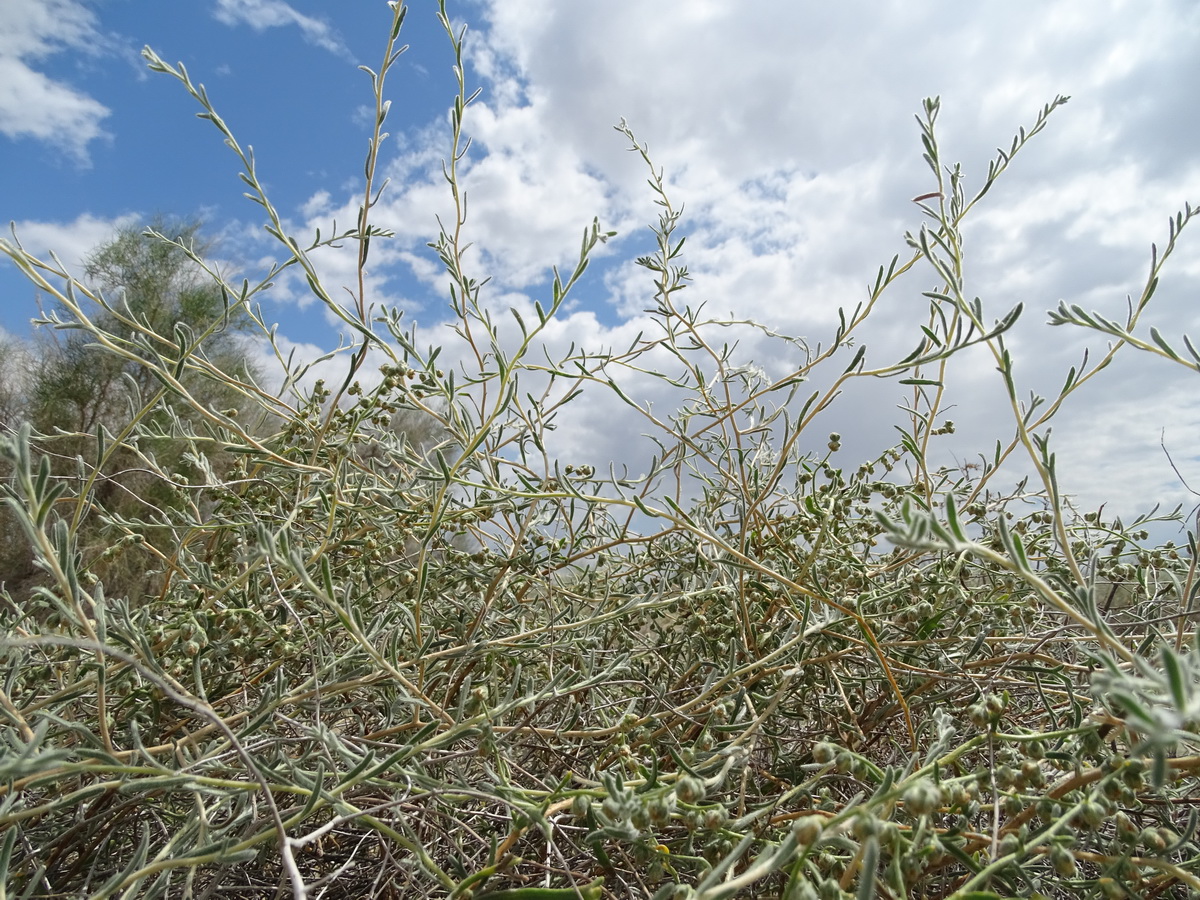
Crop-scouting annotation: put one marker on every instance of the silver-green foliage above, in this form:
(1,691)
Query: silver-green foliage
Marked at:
(460,667)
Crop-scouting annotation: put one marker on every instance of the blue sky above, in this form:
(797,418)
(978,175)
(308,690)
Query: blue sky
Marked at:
(281,86)
(128,144)
(785,128)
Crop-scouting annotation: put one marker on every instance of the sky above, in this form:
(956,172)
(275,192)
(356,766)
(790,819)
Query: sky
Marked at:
(785,129)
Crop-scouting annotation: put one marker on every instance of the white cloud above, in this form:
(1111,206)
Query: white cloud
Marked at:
(71,242)
(263,14)
(786,133)
(33,105)
(1117,457)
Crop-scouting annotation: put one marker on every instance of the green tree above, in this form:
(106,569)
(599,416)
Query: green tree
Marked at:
(77,395)
(149,276)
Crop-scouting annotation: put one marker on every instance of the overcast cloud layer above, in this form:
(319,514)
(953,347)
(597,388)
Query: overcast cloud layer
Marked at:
(786,130)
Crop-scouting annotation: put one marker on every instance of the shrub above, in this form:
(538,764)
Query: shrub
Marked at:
(370,666)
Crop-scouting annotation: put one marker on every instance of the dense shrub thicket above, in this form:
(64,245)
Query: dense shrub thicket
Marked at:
(364,665)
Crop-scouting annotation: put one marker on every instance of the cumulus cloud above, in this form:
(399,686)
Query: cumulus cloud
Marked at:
(32,104)
(263,14)
(787,136)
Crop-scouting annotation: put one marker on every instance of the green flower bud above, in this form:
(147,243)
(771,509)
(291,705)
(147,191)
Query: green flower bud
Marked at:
(807,829)
(922,797)
(689,789)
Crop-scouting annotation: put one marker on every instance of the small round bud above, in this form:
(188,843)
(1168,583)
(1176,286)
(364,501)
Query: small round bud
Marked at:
(865,826)
(659,810)
(844,762)
(689,789)
(715,818)
(1152,840)
(922,797)
(807,829)
(1063,861)
(580,806)
(824,752)
(977,715)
